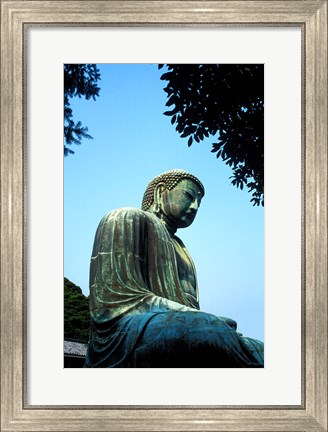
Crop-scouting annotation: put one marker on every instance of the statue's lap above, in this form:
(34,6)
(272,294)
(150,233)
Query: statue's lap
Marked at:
(188,339)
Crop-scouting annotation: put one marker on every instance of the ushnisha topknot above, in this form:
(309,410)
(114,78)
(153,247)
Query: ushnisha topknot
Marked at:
(171,179)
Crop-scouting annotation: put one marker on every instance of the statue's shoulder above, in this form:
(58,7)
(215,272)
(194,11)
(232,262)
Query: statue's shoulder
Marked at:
(128,214)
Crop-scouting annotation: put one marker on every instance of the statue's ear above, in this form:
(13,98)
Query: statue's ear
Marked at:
(159,189)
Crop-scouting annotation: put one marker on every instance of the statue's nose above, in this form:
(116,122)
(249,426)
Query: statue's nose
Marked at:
(194,206)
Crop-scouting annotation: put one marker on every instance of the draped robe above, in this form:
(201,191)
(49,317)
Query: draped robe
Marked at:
(141,313)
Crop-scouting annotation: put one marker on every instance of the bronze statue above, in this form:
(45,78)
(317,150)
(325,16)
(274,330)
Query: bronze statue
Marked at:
(143,290)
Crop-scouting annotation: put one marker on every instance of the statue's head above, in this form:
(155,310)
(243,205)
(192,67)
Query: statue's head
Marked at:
(174,197)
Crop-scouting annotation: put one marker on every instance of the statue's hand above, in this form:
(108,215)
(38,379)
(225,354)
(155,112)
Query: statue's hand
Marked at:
(231,323)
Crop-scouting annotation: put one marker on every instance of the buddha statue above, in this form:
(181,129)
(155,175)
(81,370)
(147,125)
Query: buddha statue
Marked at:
(144,304)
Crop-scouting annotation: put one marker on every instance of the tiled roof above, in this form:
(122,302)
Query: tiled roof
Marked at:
(75,348)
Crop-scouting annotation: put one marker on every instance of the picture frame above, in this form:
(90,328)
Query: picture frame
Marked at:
(311,17)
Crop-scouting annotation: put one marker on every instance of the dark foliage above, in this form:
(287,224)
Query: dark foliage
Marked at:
(79,80)
(76,312)
(227,101)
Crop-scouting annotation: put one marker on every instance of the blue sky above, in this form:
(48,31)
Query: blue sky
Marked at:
(132,143)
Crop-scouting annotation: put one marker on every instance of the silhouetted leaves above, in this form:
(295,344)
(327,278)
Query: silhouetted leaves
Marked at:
(79,80)
(226,101)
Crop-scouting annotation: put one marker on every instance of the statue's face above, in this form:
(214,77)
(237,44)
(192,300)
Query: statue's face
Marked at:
(179,205)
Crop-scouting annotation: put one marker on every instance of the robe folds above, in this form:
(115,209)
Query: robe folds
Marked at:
(141,314)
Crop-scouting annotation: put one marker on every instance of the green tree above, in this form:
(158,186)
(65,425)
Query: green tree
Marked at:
(76,312)
(226,101)
(79,80)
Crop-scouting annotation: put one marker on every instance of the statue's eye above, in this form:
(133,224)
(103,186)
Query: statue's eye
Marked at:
(189,195)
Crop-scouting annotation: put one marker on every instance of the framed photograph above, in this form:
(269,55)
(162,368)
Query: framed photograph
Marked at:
(290,39)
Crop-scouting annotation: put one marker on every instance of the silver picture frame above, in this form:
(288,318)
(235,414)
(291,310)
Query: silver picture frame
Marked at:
(16,17)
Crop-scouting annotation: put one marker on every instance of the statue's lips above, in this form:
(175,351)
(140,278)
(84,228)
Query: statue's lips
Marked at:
(190,215)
